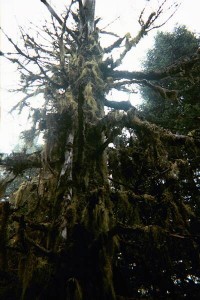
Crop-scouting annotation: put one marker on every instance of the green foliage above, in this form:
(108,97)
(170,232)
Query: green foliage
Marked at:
(181,116)
(170,47)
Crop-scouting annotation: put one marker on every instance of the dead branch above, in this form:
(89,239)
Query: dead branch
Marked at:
(23,103)
(19,51)
(176,5)
(146,26)
(52,12)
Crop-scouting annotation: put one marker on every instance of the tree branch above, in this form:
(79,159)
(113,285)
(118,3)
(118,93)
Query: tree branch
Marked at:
(121,105)
(177,68)
(140,229)
(19,51)
(165,93)
(32,225)
(22,102)
(39,249)
(131,195)
(116,44)
(131,120)
(52,12)
(145,28)
(18,162)
(5,182)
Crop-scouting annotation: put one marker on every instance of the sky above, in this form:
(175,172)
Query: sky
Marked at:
(119,16)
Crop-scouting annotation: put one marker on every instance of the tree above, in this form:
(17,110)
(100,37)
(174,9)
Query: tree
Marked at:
(182,117)
(96,221)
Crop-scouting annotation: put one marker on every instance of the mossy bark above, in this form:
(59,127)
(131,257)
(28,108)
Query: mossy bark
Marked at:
(72,194)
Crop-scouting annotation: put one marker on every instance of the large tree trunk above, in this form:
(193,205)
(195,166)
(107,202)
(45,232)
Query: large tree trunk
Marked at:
(90,258)
(74,181)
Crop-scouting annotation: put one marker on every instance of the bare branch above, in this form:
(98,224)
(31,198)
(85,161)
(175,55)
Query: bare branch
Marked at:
(110,23)
(22,102)
(132,42)
(109,33)
(162,24)
(19,51)
(145,28)
(52,12)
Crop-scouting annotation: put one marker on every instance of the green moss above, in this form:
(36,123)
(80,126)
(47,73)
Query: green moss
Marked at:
(74,290)
(35,273)
(25,270)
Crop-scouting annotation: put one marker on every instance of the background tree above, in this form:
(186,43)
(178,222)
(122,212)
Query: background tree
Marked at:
(95,221)
(183,116)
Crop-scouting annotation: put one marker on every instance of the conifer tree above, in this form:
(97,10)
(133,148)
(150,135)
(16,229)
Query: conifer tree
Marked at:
(182,117)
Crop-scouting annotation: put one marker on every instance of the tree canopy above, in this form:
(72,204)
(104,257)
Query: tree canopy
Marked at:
(109,207)
(181,114)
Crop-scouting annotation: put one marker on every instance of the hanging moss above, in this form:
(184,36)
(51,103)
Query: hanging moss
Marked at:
(74,290)
(97,218)
(26,267)
(4,217)
(35,273)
